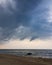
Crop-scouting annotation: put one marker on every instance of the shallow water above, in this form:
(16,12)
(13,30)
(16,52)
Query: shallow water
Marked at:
(23,52)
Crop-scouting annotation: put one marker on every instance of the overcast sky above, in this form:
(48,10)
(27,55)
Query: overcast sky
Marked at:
(25,24)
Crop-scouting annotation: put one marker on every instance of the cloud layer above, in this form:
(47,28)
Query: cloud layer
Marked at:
(22,19)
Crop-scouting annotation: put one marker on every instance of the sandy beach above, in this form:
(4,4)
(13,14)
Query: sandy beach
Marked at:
(6,59)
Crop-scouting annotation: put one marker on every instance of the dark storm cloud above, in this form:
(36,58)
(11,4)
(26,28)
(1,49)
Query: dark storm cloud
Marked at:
(19,16)
(28,20)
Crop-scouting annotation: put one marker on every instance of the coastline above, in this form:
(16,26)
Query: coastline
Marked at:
(6,59)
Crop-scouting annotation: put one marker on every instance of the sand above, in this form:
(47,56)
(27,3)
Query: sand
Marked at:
(6,59)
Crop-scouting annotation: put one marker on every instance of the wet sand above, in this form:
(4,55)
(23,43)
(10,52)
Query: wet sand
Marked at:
(6,59)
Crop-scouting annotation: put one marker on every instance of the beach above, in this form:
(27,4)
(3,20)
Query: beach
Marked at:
(6,59)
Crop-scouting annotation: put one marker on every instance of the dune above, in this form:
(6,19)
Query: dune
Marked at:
(6,59)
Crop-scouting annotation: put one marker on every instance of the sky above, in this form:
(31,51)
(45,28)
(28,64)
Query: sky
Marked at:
(25,24)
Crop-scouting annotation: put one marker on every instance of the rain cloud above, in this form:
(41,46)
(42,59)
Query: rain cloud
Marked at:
(21,19)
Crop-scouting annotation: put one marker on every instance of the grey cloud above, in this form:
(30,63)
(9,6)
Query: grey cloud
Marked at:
(28,20)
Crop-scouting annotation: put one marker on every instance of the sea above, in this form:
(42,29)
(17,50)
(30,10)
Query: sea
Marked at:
(43,53)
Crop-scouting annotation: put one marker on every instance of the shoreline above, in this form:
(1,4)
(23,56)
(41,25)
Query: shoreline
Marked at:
(8,59)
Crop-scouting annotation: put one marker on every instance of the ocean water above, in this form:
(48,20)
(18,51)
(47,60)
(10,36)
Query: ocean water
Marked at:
(24,52)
